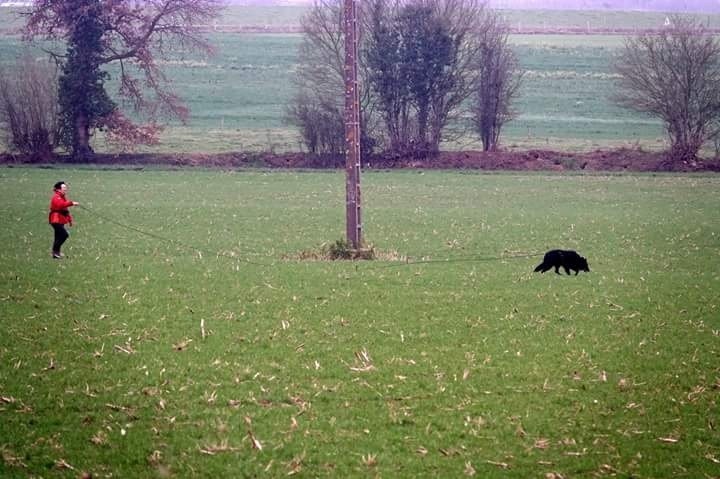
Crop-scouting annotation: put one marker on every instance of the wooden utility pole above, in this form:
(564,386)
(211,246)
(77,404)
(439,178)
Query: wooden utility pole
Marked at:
(352,128)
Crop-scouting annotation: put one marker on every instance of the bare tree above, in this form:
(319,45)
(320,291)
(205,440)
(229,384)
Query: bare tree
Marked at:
(464,19)
(675,76)
(498,83)
(318,106)
(132,34)
(321,126)
(29,108)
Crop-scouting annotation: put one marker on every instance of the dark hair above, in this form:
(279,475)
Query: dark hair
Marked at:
(58,185)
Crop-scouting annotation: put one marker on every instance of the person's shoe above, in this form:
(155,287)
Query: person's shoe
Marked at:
(57,256)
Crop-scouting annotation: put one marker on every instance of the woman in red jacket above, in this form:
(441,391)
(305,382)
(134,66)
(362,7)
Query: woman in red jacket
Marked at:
(60,216)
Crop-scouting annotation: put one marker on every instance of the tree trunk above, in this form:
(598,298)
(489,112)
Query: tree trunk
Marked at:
(683,154)
(422,125)
(82,151)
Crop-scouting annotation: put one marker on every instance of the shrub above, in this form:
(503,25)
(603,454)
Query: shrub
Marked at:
(29,108)
(341,249)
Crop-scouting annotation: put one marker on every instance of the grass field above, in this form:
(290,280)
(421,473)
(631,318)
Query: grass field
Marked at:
(140,357)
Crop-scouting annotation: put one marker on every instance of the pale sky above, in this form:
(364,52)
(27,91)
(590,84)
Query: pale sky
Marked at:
(709,6)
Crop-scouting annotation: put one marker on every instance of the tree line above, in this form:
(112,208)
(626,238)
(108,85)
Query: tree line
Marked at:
(422,62)
(430,70)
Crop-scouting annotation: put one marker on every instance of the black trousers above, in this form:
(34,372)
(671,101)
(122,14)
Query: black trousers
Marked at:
(61,235)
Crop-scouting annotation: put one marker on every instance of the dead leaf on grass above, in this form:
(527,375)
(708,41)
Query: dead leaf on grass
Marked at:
(363,361)
(300,402)
(695,393)
(542,443)
(99,354)
(127,349)
(155,458)
(63,464)
(295,466)
(501,465)
(254,441)
(370,460)
(51,365)
(11,459)
(127,410)
(363,369)
(670,440)
(576,453)
(182,345)
(99,439)
(609,468)
(213,449)
(469,469)
(150,391)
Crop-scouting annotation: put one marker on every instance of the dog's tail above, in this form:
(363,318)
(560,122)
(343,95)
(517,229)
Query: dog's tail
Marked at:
(541,267)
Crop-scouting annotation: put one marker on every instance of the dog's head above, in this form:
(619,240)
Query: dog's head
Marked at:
(583,264)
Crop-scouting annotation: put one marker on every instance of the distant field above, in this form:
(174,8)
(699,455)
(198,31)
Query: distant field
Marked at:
(238,97)
(140,357)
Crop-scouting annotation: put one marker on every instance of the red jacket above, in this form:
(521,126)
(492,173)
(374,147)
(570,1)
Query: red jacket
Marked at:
(59,212)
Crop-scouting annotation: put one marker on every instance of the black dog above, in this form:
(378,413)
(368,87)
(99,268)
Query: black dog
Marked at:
(569,260)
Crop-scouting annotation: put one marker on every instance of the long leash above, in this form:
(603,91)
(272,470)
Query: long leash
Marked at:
(170,240)
(464,259)
(406,263)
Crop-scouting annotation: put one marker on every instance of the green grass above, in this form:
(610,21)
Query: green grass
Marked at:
(477,363)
